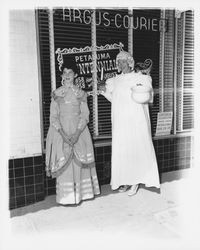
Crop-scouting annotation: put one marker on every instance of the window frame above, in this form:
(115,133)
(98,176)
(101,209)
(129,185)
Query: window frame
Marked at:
(161,91)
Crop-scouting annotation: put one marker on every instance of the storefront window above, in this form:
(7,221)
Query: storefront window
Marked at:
(152,36)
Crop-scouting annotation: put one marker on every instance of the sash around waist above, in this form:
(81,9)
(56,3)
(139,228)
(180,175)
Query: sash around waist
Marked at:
(65,115)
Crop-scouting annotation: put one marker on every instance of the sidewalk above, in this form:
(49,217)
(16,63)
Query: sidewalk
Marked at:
(150,213)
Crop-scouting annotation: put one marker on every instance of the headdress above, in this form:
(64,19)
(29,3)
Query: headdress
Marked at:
(124,55)
(145,67)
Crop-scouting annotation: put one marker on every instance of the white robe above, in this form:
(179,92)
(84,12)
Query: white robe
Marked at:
(133,155)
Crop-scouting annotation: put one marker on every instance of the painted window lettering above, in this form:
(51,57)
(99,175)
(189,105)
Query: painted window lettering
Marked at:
(119,20)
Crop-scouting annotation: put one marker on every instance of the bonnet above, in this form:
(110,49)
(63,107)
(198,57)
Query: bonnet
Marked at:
(124,55)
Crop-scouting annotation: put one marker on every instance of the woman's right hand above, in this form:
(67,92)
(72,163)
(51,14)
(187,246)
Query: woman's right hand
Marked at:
(65,137)
(48,173)
(101,86)
(67,140)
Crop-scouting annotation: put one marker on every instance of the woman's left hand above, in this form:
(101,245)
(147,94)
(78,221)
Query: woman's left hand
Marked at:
(74,137)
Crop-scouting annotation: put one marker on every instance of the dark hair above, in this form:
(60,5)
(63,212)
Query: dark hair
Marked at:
(70,64)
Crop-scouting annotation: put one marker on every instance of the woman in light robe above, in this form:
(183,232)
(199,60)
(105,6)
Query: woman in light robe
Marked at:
(69,148)
(133,156)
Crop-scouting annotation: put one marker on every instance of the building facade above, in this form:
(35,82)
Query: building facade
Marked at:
(42,39)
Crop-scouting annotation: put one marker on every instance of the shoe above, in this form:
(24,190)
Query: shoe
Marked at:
(123,188)
(133,190)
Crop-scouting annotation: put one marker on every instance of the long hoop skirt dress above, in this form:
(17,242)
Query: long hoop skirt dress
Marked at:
(73,167)
(133,155)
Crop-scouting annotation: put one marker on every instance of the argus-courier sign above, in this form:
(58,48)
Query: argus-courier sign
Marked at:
(118,21)
(106,62)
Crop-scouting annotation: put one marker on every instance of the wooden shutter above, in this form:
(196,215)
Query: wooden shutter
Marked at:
(169,63)
(185,69)
(43,30)
(188,83)
(146,44)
